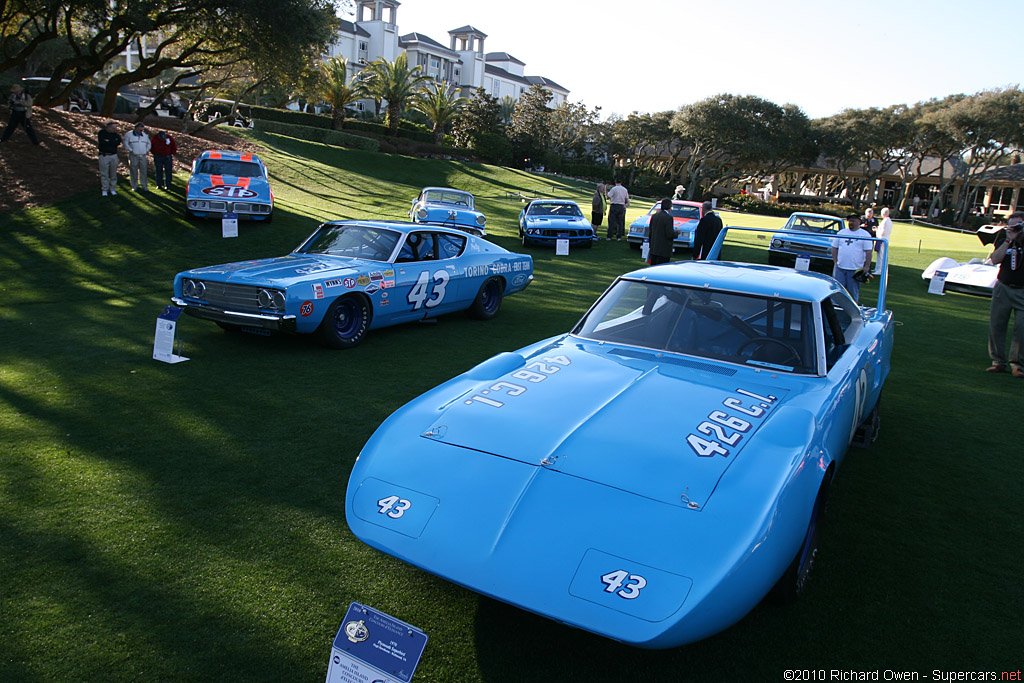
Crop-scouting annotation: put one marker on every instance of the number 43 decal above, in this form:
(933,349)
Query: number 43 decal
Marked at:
(614,581)
(393,506)
(427,292)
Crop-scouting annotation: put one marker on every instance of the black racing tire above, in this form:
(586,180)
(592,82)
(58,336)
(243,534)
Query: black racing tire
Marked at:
(793,583)
(346,323)
(488,299)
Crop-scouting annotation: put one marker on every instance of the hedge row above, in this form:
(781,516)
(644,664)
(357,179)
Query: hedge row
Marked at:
(324,135)
(406,129)
(754,204)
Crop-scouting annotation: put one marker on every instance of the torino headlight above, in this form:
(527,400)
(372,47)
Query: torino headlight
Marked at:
(481,219)
(777,243)
(271,298)
(421,213)
(193,289)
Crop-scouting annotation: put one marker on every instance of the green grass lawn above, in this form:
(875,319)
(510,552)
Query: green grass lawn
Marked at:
(186,522)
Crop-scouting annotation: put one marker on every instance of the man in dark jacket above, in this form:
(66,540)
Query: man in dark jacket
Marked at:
(706,233)
(108,141)
(21,114)
(661,232)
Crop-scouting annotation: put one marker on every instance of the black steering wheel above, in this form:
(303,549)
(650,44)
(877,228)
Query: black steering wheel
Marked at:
(792,359)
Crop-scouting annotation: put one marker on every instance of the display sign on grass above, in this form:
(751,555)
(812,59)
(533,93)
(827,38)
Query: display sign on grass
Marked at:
(373,646)
(562,245)
(163,340)
(229,225)
(938,282)
(803,262)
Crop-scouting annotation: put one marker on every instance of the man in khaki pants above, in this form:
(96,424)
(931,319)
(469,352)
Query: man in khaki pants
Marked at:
(138,145)
(108,142)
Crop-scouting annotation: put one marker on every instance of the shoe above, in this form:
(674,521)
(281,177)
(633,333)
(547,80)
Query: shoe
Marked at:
(105,193)
(996,367)
(618,239)
(113,192)
(1018,373)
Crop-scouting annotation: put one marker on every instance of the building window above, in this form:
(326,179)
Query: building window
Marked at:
(1002,197)
(458,72)
(363,46)
(435,63)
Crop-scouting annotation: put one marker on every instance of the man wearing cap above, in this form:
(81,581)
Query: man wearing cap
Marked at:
(108,142)
(1007,298)
(138,145)
(21,114)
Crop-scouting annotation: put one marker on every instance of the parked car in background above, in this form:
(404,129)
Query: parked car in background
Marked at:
(78,102)
(545,221)
(654,473)
(350,277)
(805,234)
(977,276)
(685,216)
(448,207)
(229,182)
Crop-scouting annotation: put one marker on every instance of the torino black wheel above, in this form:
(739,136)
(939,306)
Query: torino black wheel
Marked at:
(488,299)
(346,322)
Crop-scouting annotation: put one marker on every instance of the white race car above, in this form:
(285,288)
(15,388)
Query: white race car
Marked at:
(977,276)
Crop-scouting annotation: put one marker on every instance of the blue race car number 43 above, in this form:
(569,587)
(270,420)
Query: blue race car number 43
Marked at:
(728,430)
(426,292)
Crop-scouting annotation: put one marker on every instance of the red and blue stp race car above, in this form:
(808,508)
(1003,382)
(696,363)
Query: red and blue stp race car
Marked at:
(228,182)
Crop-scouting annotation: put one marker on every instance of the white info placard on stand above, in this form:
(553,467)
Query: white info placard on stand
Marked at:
(229,225)
(374,647)
(803,262)
(938,283)
(163,340)
(562,246)
(645,251)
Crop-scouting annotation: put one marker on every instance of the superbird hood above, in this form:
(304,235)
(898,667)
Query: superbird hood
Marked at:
(284,271)
(666,428)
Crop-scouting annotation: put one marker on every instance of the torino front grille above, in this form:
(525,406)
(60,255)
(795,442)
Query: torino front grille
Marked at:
(243,298)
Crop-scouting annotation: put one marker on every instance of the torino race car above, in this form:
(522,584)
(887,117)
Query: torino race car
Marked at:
(224,182)
(805,233)
(685,216)
(448,207)
(350,277)
(649,476)
(544,221)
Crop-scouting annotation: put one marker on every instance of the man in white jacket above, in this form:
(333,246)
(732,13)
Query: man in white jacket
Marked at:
(138,144)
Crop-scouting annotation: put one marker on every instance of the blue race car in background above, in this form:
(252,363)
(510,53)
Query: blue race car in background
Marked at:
(350,277)
(544,221)
(685,216)
(651,475)
(227,182)
(448,207)
(805,233)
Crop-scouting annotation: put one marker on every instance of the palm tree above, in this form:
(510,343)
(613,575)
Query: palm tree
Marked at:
(440,104)
(508,105)
(337,89)
(396,83)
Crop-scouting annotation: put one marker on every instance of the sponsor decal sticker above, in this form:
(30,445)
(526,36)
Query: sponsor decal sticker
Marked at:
(389,273)
(349,282)
(362,280)
(371,289)
(230,192)
(376,275)
(335,283)
(386,284)
(306,309)
(383,295)
(318,290)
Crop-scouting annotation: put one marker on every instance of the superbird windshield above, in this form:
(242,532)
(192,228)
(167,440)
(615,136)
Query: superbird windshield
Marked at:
(356,241)
(739,328)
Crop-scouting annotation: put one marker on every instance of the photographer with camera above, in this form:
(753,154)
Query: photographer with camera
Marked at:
(1007,298)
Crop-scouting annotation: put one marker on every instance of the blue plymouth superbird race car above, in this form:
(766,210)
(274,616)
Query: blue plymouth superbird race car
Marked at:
(350,277)
(545,221)
(651,475)
(448,207)
(227,182)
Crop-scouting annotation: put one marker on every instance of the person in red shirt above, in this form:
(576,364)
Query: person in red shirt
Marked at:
(164,148)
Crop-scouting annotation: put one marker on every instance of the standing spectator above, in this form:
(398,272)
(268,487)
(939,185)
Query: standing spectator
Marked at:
(661,233)
(885,232)
(1007,298)
(680,192)
(597,207)
(869,224)
(138,145)
(851,251)
(21,113)
(618,200)
(164,148)
(706,232)
(109,141)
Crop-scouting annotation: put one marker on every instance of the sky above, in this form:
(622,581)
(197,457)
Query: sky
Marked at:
(824,56)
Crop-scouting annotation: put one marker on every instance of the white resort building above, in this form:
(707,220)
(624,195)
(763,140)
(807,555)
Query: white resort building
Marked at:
(464,63)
